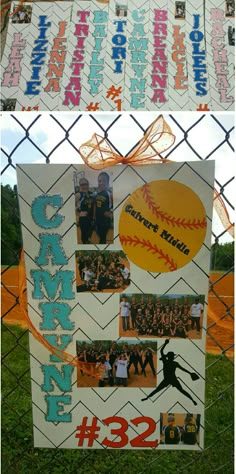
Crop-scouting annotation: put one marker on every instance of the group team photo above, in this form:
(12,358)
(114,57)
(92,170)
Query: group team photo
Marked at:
(102,271)
(161,316)
(116,364)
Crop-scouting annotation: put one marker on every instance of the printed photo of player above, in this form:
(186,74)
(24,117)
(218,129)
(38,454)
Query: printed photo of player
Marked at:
(121,9)
(179,428)
(8,105)
(21,14)
(231,36)
(230,8)
(116,364)
(102,271)
(151,316)
(93,207)
(180,10)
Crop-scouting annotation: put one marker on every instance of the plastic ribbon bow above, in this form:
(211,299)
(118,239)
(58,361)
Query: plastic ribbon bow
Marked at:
(97,152)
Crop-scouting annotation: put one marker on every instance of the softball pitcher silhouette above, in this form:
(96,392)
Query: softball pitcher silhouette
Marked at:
(169,368)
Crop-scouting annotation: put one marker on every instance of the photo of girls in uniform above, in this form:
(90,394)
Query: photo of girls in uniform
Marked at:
(7,105)
(230,8)
(180,10)
(21,14)
(104,271)
(93,207)
(116,364)
(148,315)
(179,428)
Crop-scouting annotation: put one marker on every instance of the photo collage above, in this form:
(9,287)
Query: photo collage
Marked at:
(146,322)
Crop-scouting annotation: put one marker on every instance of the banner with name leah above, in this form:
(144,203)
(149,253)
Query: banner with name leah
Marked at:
(90,55)
(117,263)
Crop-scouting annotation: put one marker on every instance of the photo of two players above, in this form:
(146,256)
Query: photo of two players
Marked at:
(94,207)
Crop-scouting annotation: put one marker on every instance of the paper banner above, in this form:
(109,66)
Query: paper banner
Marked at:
(115,57)
(56,56)
(12,64)
(177,62)
(198,74)
(72,82)
(157,88)
(93,71)
(157,55)
(34,65)
(136,70)
(220,46)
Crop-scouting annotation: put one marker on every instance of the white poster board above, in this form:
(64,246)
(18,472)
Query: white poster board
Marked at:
(151,256)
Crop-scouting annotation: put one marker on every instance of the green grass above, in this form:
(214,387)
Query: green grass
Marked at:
(19,455)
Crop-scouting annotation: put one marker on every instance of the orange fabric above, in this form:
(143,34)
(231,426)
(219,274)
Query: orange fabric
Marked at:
(97,152)
(222,212)
(90,368)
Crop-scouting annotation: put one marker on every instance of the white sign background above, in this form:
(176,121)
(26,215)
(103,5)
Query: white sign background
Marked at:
(100,321)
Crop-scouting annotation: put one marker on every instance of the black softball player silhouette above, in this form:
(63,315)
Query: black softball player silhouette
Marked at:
(169,368)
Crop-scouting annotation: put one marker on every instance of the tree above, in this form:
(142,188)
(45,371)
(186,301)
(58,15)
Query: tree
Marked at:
(222,257)
(10,224)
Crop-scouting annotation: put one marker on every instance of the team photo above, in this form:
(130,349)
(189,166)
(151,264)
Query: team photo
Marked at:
(93,207)
(102,271)
(116,364)
(161,316)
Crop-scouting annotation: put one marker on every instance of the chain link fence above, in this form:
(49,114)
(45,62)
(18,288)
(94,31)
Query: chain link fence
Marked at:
(198,137)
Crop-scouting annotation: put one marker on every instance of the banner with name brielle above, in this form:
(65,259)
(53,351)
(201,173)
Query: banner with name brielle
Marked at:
(94,55)
(117,255)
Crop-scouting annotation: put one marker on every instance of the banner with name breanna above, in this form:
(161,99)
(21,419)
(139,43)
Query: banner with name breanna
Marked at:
(117,265)
(119,55)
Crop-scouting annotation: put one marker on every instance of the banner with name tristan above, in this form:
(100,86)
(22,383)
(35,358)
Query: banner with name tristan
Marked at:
(117,55)
(117,262)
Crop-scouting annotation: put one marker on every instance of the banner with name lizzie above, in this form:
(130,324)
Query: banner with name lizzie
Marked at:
(117,55)
(117,261)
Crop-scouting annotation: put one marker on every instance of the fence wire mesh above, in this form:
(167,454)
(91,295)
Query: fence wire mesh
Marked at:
(198,137)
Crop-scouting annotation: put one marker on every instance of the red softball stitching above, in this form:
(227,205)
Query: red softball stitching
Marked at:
(191,225)
(128,240)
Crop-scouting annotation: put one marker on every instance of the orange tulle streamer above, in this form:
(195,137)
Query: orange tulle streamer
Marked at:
(222,212)
(98,154)
(96,370)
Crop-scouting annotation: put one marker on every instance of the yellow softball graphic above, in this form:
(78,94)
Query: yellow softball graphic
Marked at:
(162,226)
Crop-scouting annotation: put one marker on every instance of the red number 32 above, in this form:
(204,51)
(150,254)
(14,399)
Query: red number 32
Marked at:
(138,441)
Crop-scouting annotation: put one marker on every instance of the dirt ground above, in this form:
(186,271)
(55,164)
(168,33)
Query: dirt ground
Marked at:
(221,333)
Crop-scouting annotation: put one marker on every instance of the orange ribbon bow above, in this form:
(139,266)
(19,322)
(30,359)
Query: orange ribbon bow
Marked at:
(97,152)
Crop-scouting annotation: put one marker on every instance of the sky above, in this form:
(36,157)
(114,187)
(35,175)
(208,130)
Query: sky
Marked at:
(46,132)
